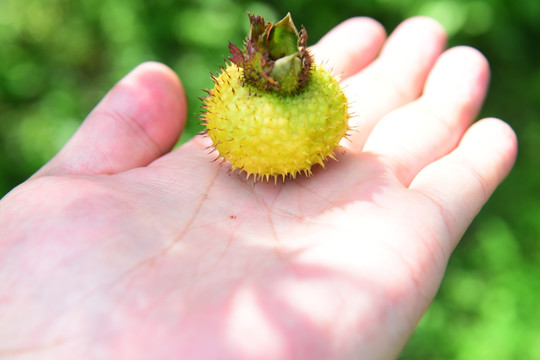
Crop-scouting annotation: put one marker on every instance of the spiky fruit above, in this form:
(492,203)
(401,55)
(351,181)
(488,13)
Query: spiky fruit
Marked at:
(272,112)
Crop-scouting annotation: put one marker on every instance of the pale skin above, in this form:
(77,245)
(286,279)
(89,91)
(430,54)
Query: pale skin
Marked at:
(119,248)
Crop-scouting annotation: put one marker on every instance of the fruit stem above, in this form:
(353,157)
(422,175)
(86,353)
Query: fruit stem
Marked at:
(275,56)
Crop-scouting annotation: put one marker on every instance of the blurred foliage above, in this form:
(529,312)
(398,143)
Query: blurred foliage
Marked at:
(59,57)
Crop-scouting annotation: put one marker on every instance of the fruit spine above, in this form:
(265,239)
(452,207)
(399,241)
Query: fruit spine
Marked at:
(272,112)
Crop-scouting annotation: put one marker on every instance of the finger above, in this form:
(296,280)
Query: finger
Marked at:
(350,46)
(137,121)
(411,137)
(460,183)
(396,77)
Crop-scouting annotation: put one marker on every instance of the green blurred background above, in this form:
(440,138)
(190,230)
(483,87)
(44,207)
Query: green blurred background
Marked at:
(59,57)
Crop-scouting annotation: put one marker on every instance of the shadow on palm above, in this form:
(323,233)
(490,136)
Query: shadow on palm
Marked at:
(284,260)
(289,263)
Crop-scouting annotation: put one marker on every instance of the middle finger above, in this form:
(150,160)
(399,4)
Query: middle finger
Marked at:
(395,78)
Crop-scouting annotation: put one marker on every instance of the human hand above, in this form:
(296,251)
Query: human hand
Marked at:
(120,249)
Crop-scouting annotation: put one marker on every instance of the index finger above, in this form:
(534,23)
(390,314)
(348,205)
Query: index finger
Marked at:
(350,46)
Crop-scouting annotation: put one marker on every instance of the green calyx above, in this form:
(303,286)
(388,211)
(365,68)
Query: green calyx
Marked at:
(275,56)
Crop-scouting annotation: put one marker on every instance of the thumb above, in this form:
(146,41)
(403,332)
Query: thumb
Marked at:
(140,119)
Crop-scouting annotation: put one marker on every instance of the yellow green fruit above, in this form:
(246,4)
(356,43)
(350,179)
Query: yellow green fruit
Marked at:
(267,134)
(272,113)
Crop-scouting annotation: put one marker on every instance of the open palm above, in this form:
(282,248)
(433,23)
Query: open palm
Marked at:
(119,249)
